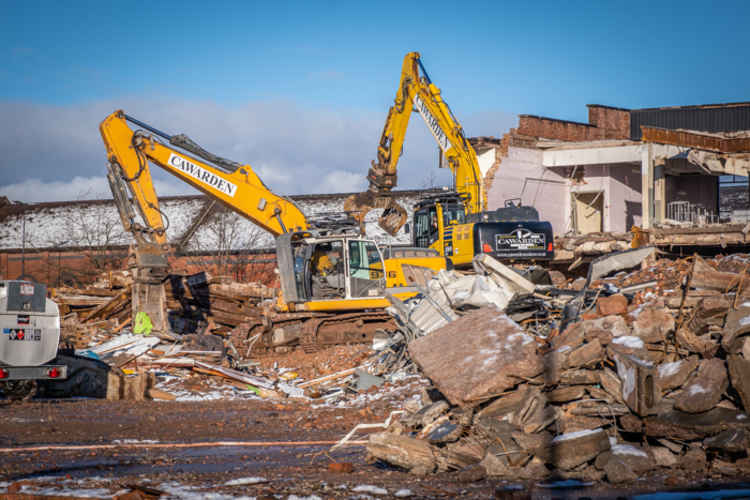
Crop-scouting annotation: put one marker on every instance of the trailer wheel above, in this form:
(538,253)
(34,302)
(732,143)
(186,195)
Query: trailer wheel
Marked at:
(86,378)
(19,390)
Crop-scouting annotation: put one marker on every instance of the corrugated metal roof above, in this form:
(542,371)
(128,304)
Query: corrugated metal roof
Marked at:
(706,118)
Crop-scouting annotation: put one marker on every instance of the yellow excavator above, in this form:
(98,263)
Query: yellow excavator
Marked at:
(333,281)
(456,223)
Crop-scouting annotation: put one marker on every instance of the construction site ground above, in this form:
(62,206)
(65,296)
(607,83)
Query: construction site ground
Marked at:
(88,447)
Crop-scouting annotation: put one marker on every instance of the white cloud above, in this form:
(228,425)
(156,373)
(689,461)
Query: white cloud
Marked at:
(341,181)
(56,152)
(78,188)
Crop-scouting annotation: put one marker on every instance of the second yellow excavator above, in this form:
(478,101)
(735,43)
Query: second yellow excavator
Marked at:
(333,281)
(454,223)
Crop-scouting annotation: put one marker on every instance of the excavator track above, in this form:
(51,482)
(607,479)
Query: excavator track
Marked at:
(315,330)
(353,328)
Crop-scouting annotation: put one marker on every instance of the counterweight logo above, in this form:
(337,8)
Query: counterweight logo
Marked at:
(432,123)
(202,175)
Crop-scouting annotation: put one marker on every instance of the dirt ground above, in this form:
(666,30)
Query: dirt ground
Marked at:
(275,450)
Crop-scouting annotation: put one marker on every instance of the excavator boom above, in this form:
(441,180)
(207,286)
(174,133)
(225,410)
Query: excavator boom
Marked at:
(232,184)
(416,92)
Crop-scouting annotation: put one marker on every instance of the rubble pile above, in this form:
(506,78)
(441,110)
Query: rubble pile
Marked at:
(199,357)
(591,244)
(638,373)
(196,303)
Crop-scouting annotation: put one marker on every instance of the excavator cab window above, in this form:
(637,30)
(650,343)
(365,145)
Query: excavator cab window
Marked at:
(365,269)
(453,214)
(425,227)
(327,270)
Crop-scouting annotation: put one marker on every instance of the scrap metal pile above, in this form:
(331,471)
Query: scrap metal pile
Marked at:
(643,372)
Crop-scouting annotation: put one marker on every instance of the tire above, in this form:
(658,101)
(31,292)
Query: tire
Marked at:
(19,390)
(86,378)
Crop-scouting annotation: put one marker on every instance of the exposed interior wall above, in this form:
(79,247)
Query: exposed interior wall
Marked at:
(697,189)
(521,175)
(625,197)
(486,159)
(620,188)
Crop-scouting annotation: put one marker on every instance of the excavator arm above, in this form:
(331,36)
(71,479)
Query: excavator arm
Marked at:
(417,92)
(237,186)
(130,153)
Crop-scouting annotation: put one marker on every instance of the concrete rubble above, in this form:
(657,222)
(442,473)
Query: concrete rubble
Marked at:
(644,370)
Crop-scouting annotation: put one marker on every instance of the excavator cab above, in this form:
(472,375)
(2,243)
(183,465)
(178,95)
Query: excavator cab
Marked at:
(336,269)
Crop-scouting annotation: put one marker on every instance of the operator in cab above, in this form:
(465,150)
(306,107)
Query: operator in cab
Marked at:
(328,270)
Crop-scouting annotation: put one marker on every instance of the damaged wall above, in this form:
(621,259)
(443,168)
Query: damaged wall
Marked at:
(521,175)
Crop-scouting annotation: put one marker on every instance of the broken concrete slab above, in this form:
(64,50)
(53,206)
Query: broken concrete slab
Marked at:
(730,441)
(617,261)
(504,405)
(705,276)
(618,470)
(614,304)
(704,345)
(565,394)
(694,460)
(705,388)
(568,340)
(586,356)
(674,374)
(503,275)
(573,449)
(569,422)
(615,326)
(683,426)
(639,384)
(463,453)
(412,454)
(739,370)
(579,377)
(663,457)
(476,357)
(634,457)
(737,324)
(710,311)
(611,383)
(652,324)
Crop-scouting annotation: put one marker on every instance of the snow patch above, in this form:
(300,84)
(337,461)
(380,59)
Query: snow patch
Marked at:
(745,321)
(246,480)
(669,369)
(576,434)
(629,341)
(369,488)
(403,493)
(696,389)
(627,449)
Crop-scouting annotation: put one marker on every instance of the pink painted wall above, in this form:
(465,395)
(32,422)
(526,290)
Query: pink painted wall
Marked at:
(521,175)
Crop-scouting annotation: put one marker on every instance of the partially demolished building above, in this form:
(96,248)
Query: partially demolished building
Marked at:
(642,167)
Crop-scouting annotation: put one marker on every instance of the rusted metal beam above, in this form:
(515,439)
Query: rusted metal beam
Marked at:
(708,142)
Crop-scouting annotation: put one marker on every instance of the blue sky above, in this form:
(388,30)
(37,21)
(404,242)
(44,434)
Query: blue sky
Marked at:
(301,89)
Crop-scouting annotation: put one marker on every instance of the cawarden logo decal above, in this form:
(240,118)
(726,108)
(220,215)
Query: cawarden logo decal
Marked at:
(202,175)
(432,123)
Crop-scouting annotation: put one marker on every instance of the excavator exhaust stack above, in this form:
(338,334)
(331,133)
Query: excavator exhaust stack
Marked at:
(394,215)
